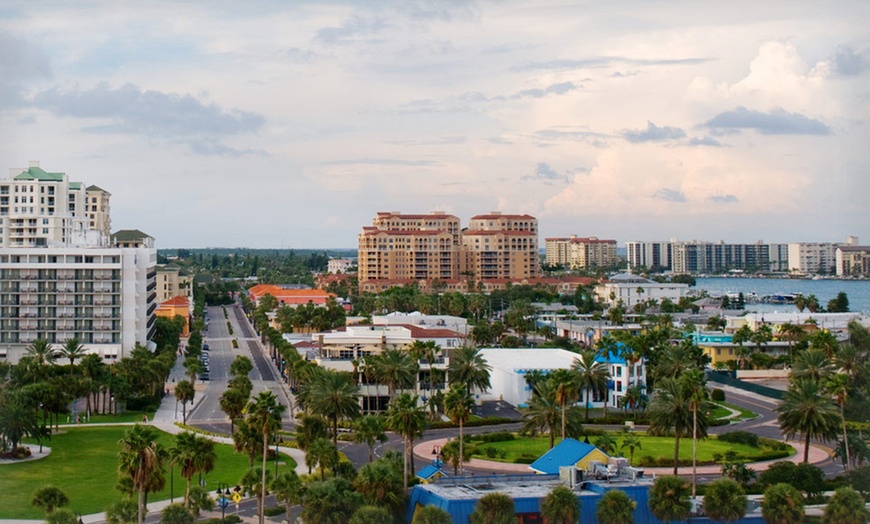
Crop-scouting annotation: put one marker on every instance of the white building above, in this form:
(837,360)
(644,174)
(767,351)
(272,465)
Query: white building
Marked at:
(339,265)
(648,254)
(457,324)
(810,258)
(511,365)
(632,290)
(104,297)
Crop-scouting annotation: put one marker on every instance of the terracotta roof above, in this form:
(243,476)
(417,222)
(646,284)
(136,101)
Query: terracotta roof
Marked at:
(493,217)
(372,231)
(505,232)
(292,296)
(180,300)
(397,214)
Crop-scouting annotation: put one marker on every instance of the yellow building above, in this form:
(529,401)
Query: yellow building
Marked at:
(179,306)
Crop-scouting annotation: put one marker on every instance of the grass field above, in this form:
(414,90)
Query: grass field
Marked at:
(84,462)
(650,446)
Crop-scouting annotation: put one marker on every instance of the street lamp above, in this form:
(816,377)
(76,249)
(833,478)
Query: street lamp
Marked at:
(223,494)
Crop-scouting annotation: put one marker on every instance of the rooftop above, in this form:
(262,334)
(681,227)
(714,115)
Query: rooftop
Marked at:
(37,173)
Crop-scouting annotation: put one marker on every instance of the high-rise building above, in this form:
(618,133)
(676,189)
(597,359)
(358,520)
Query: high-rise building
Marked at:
(580,252)
(400,248)
(811,258)
(62,276)
(651,255)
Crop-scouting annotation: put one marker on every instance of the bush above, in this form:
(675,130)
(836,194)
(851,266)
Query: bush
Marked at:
(229,519)
(717,395)
(274,510)
(525,458)
(235,344)
(776,445)
(486,421)
(740,437)
(498,436)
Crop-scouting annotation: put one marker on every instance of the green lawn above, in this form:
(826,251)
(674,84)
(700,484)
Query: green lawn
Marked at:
(83,463)
(650,446)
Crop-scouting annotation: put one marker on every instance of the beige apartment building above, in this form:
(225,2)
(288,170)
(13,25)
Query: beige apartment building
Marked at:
(173,282)
(402,248)
(580,252)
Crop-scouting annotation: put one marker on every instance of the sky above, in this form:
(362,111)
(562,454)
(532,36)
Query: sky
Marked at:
(274,124)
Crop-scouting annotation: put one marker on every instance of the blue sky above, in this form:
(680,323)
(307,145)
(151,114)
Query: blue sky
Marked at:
(289,124)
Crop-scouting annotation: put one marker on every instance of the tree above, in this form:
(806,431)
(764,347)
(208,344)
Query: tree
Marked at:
(742,336)
(288,489)
(140,457)
(381,485)
(561,506)
(330,502)
(371,515)
(450,452)
(369,430)
(493,508)
(565,391)
(846,507)
(395,368)
(198,501)
(264,414)
(467,366)
(694,385)
(17,418)
(49,498)
(725,500)
(176,514)
(241,366)
(333,395)
(184,393)
(669,498)
(459,406)
(192,454)
(61,516)
(232,403)
(806,410)
(122,512)
(72,350)
(255,482)
(632,442)
(321,453)
(615,507)
(839,304)
(838,385)
(42,352)
(670,410)
(812,364)
(606,443)
(431,515)
(592,376)
(543,412)
(782,504)
(408,420)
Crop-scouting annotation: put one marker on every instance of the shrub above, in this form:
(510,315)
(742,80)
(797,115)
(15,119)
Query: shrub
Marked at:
(235,344)
(497,436)
(740,437)
(717,395)
(770,443)
(274,510)
(526,458)
(229,519)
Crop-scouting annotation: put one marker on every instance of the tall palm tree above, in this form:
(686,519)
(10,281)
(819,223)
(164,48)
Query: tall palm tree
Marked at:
(184,393)
(232,403)
(607,347)
(543,412)
(264,413)
(742,336)
(191,453)
(812,364)
(561,506)
(72,350)
(592,375)
(288,489)
(631,442)
(694,385)
(467,366)
(140,457)
(333,395)
(395,368)
(668,411)
(368,430)
(408,420)
(458,405)
(805,409)
(566,388)
(838,385)
(380,485)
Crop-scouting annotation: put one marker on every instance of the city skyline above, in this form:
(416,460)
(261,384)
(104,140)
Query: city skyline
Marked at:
(291,126)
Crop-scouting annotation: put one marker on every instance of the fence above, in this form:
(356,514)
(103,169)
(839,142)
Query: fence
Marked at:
(728,378)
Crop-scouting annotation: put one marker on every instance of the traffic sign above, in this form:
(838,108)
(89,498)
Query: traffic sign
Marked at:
(223,502)
(237,497)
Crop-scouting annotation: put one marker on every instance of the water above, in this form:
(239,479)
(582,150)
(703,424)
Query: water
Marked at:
(858,291)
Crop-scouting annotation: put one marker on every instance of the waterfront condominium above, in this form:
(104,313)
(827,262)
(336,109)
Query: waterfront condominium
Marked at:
(580,252)
(63,276)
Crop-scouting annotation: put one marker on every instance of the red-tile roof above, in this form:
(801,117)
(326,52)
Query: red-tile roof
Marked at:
(180,301)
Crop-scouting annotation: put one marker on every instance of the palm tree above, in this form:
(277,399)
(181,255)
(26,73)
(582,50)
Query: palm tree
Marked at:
(321,453)
(592,375)
(72,350)
(381,486)
(184,393)
(670,410)
(565,390)
(395,368)
(669,498)
(543,412)
(431,515)
(806,410)
(49,498)
(615,507)
(561,506)
(782,504)
(812,364)
(232,403)
(741,336)
(287,488)
(368,430)
(241,366)
(606,443)
(725,500)
(451,454)
(846,507)
(695,388)
(493,508)
(122,512)
(408,420)
(140,457)
(458,405)
(254,482)
(264,414)
(467,366)
(632,442)
(371,515)
(333,395)
(838,385)
(192,454)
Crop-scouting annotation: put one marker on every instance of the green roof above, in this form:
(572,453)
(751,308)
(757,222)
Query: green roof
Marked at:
(129,235)
(37,173)
(75,186)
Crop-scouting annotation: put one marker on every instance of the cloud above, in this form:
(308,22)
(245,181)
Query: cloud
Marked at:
(554,89)
(380,162)
(603,62)
(546,174)
(777,122)
(723,199)
(154,114)
(671,195)
(653,133)
(847,62)
(19,62)
(704,141)
(350,30)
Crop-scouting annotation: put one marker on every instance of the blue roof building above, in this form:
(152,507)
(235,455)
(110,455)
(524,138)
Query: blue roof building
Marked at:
(569,452)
